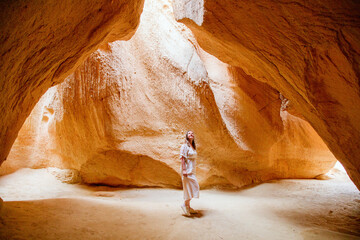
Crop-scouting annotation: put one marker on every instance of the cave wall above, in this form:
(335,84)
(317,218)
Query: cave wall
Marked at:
(307,50)
(42,42)
(121,117)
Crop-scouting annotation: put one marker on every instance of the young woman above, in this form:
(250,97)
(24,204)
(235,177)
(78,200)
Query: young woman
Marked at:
(188,171)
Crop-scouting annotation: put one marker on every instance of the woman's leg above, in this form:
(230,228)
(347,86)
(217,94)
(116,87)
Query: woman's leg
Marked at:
(187,202)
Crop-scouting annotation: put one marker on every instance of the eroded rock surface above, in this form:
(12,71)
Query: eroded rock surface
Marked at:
(43,42)
(308,51)
(121,118)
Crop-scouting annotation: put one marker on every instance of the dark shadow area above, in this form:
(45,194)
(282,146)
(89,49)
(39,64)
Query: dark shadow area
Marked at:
(326,205)
(72,218)
(197,214)
(339,220)
(106,188)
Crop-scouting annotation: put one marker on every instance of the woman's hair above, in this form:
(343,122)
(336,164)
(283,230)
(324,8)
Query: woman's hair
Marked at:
(187,139)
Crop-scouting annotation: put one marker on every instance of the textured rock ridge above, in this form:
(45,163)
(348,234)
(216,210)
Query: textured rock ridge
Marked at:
(121,117)
(41,43)
(308,51)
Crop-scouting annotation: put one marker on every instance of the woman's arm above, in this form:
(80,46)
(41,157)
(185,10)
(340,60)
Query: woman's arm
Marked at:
(183,166)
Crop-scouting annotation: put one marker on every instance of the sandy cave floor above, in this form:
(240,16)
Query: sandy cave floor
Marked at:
(38,206)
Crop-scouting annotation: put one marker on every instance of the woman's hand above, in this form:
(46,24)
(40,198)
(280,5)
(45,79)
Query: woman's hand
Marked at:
(184,173)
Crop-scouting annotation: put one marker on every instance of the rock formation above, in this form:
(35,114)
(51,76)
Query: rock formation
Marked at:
(43,42)
(121,117)
(308,51)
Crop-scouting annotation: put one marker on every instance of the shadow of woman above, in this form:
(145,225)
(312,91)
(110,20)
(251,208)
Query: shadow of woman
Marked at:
(197,214)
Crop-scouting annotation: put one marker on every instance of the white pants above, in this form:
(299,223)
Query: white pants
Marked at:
(190,187)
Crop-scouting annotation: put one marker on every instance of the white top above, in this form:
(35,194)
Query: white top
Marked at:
(190,158)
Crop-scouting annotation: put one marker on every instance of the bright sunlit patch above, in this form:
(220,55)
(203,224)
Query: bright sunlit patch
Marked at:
(340,167)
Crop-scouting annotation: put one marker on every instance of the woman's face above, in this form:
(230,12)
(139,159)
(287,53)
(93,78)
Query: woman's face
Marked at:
(190,135)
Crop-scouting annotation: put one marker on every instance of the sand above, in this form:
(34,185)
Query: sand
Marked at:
(38,206)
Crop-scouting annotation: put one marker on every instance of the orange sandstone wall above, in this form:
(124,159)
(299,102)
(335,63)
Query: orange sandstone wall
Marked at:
(121,117)
(42,42)
(307,50)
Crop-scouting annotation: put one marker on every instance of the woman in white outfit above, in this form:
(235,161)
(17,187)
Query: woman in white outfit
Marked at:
(188,171)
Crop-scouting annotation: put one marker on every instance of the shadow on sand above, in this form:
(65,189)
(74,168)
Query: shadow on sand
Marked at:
(197,214)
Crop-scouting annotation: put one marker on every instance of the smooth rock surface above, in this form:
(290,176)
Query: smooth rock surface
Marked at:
(42,42)
(121,118)
(307,50)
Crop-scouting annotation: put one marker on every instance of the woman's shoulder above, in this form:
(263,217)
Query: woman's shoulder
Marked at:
(184,145)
